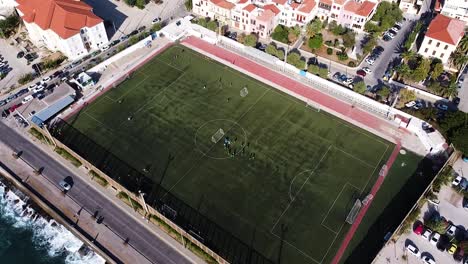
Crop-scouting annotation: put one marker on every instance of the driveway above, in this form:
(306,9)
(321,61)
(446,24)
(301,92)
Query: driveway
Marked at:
(123,19)
(19,66)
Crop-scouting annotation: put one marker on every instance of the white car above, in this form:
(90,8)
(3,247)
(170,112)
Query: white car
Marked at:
(367,69)
(106,47)
(410,104)
(38,89)
(395,29)
(32,86)
(457,181)
(65,185)
(427,234)
(156,20)
(399,23)
(46,79)
(413,250)
(435,239)
(451,230)
(27,99)
(370,61)
(427,260)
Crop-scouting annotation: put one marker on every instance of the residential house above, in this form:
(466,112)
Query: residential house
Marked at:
(68,26)
(456,9)
(355,14)
(410,6)
(442,37)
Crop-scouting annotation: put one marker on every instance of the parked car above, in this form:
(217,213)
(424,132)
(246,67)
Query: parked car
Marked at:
(457,181)
(361,73)
(442,107)
(46,79)
(427,234)
(105,47)
(419,229)
(452,249)
(451,230)
(233,35)
(261,46)
(413,250)
(115,42)
(57,74)
(3,102)
(370,61)
(156,20)
(27,99)
(367,69)
(465,202)
(410,104)
(65,185)
(134,32)
(22,92)
(14,107)
(20,55)
(38,88)
(435,238)
(464,184)
(427,260)
(124,37)
(426,127)
(140,29)
(336,76)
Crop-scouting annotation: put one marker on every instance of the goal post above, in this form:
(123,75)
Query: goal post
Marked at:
(354,212)
(217,136)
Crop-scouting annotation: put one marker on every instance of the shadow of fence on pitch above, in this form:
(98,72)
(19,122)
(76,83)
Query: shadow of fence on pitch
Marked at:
(191,220)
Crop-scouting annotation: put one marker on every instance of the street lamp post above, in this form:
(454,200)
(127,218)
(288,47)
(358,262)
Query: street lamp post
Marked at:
(144,203)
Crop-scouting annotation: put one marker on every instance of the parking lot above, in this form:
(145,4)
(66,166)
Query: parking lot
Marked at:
(14,68)
(122,19)
(448,206)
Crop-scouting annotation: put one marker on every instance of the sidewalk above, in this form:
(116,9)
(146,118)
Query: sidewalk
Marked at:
(109,193)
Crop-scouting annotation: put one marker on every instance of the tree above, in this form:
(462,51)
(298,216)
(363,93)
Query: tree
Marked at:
(156,27)
(406,96)
(437,225)
(8,26)
(212,25)
(338,30)
(130,2)
(280,54)
(455,127)
(458,138)
(384,92)
(316,41)
(458,59)
(188,5)
(296,60)
(421,72)
(370,44)
(314,69)
(250,40)
(408,55)
(314,27)
(437,70)
(360,87)
(387,14)
(280,34)
(349,39)
(296,30)
(372,27)
(140,3)
(271,49)
(463,45)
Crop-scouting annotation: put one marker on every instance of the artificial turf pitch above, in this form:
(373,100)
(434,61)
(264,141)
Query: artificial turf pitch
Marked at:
(285,183)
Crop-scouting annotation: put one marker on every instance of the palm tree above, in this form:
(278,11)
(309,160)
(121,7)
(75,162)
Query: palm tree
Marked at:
(463,45)
(451,91)
(408,55)
(458,59)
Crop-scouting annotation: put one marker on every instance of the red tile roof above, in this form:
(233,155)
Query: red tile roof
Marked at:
(64,17)
(266,16)
(339,2)
(307,6)
(280,2)
(360,8)
(327,2)
(242,1)
(250,7)
(446,29)
(273,8)
(223,4)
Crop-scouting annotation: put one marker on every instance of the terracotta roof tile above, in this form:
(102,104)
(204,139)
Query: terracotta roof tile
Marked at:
(446,29)
(250,7)
(242,1)
(223,4)
(280,2)
(339,2)
(360,8)
(327,2)
(273,8)
(266,16)
(64,17)
(307,6)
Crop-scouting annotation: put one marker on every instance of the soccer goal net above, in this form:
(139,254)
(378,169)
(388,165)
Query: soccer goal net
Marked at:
(354,212)
(368,198)
(244,92)
(311,104)
(218,135)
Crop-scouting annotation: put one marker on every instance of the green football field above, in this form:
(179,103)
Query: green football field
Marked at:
(278,174)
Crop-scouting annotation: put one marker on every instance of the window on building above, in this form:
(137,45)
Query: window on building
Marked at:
(430,41)
(425,51)
(442,55)
(433,53)
(438,44)
(446,47)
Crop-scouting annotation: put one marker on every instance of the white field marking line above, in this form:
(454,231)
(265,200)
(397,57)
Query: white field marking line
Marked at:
(333,204)
(160,104)
(375,168)
(99,122)
(300,189)
(300,251)
(129,89)
(203,155)
(333,242)
(356,158)
(292,181)
(169,64)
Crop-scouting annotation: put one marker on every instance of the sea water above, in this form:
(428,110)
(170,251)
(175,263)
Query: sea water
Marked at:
(29,237)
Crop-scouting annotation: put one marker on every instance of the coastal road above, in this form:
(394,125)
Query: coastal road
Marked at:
(115,218)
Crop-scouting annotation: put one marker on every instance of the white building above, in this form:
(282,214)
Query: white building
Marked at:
(442,37)
(456,9)
(68,26)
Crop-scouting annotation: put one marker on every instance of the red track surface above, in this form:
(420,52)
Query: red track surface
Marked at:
(356,114)
(363,211)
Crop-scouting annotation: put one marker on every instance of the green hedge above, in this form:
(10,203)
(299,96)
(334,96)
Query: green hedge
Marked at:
(37,134)
(62,152)
(96,177)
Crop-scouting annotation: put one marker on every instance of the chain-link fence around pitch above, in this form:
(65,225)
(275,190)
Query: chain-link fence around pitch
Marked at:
(193,222)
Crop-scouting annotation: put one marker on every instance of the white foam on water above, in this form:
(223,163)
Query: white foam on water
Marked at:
(46,233)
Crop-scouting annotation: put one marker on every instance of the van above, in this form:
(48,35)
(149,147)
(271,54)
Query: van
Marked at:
(27,99)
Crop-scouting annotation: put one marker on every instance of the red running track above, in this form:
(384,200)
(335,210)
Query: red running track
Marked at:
(356,114)
(323,99)
(363,211)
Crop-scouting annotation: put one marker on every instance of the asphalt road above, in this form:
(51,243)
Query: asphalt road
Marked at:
(115,218)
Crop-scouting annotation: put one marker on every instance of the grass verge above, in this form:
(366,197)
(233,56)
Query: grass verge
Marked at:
(96,177)
(134,204)
(37,134)
(62,152)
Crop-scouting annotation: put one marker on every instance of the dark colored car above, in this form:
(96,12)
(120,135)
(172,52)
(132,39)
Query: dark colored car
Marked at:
(14,107)
(233,36)
(361,73)
(465,202)
(3,102)
(336,76)
(20,55)
(140,29)
(5,113)
(22,92)
(261,46)
(57,74)
(134,32)
(115,42)
(456,101)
